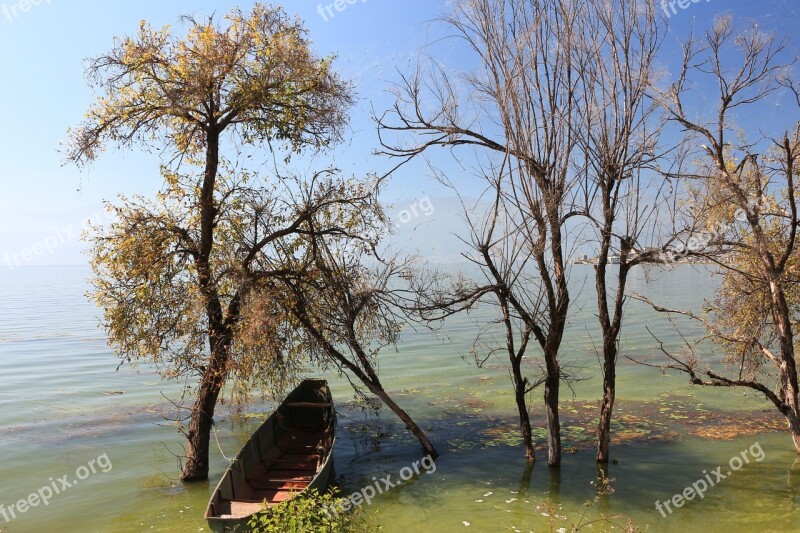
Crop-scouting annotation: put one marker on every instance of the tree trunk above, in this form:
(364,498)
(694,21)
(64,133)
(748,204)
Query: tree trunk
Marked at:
(199,435)
(520,385)
(794,429)
(607,404)
(606,411)
(412,426)
(551,386)
(793,412)
(609,360)
(367,376)
(782,317)
(611,330)
(558,320)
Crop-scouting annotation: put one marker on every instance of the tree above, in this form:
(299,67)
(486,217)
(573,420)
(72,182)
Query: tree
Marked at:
(172,276)
(748,202)
(523,119)
(618,136)
(348,304)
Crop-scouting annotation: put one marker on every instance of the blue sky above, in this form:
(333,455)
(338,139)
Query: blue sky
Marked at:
(43,92)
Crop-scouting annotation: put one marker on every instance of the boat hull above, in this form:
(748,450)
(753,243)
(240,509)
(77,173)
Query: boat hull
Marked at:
(291,453)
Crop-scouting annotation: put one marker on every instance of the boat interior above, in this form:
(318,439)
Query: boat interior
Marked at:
(281,459)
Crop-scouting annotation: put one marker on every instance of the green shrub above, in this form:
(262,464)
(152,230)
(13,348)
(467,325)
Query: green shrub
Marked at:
(310,512)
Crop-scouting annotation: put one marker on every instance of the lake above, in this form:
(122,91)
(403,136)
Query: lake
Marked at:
(67,410)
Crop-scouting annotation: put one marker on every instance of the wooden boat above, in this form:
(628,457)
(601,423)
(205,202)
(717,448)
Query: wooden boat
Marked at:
(290,453)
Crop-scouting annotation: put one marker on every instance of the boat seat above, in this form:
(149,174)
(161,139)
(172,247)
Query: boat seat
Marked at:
(297,468)
(296,486)
(245,507)
(295,465)
(295,458)
(291,475)
(275,495)
(298,437)
(238,508)
(323,405)
(301,442)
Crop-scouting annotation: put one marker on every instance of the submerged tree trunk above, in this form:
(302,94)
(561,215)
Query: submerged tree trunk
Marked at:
(199,434)
(558,309)
(610,326)
(606,412)
(427,446)
(794,428)
(610,352)
(792,401)
(367,375)
(551,387)
(782,316)
(520,386)
(609,344)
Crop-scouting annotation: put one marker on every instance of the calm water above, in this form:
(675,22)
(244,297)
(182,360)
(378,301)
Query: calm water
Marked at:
(64,404)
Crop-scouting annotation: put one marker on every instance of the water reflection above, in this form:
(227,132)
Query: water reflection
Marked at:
(527,477)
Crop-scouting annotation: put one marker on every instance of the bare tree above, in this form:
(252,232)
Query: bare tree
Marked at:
(749,200)
(619,138)
(523,123)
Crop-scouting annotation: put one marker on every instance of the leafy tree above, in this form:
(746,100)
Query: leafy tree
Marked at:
(173,275)
(750,199)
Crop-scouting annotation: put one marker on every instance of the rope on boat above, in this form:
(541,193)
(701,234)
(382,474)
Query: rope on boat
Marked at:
(216,438)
